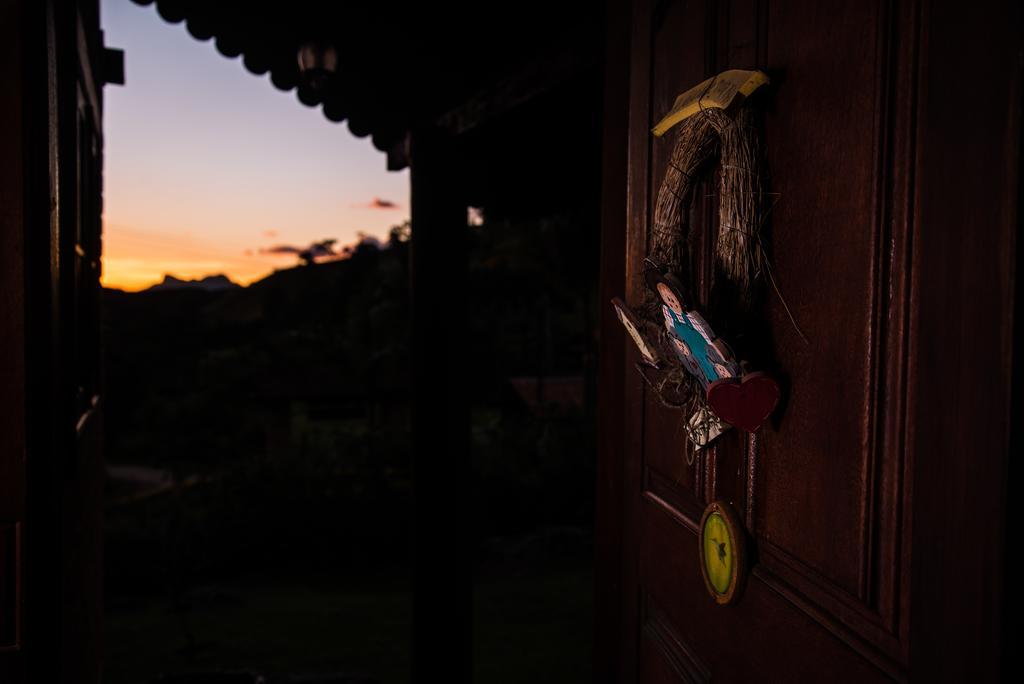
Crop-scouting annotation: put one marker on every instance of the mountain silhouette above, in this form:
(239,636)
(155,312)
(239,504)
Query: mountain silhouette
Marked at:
(213,283)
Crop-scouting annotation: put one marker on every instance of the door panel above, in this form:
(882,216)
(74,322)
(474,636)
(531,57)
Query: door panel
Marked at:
(761,635)
(877,498)
(893,235)
(827,232)
(819,488)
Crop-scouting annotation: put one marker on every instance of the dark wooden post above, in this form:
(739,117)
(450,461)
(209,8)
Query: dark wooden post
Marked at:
(442,606)
(612,367)
(12,337)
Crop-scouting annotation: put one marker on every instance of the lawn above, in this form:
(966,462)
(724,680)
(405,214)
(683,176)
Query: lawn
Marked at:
(266,623)
(531,624)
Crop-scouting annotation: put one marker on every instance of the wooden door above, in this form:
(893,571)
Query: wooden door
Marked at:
(892,240)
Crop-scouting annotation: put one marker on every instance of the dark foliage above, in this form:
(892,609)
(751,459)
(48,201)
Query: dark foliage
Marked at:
(282,411)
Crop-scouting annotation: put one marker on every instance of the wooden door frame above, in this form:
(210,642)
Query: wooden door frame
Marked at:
(612,377)
(28,237)
(57,637)
(965,224)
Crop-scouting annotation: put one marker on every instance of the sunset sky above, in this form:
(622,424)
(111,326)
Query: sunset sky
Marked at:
(206,165)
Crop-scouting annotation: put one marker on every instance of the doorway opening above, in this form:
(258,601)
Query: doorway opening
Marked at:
(256,412)
(259,506)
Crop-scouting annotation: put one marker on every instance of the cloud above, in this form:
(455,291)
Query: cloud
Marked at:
(325,250)
(270,233)
(378,203)
(321,249)
(309,254)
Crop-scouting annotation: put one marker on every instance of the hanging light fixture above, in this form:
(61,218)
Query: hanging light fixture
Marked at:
(318,61)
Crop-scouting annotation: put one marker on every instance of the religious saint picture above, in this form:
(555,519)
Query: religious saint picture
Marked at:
(706,357)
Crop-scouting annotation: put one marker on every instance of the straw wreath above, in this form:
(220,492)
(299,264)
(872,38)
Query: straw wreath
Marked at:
(732,140)
(700,139)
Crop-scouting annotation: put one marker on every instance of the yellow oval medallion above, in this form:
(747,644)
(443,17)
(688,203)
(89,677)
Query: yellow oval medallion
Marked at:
(718,553)
(722,552)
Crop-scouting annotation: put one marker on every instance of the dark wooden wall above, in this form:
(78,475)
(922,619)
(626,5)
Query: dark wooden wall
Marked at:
(12,341)
(50,461)
(967,216)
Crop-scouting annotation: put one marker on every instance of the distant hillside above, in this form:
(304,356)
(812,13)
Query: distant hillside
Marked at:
(302,378)
(190,368)
(214,283)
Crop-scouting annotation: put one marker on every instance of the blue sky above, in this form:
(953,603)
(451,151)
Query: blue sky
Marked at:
(206,164)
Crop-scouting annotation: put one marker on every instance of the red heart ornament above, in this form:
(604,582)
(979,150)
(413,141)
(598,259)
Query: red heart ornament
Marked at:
(745,404)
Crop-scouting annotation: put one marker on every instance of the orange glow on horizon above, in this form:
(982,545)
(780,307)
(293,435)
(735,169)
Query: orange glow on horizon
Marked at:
(135,259)
(134,275)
